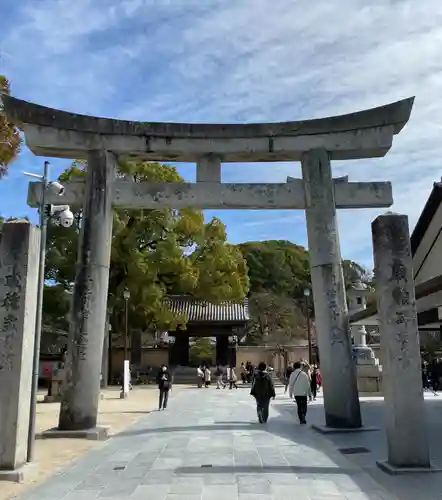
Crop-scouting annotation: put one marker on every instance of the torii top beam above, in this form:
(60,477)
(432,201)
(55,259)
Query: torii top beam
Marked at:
(56,133)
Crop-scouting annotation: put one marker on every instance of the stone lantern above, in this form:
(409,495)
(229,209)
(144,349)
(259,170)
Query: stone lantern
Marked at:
(368,369)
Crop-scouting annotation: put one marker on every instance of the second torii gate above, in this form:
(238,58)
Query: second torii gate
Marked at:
(50,132)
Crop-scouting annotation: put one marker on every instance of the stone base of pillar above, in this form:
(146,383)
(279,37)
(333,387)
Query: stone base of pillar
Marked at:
(368,370)
(19,475)
(369,383)
(53,399)
(395,471)
(95,434)
(324,429)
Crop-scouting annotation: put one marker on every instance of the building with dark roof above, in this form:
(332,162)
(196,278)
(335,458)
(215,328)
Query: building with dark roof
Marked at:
(224,321)
(201,312)
(426,247)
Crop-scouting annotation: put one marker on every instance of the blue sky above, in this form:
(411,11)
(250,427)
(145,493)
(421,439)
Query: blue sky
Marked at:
(238,61)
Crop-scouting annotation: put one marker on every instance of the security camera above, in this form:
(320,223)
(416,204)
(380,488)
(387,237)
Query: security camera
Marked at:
(62,213)
(66,218)
(56,188)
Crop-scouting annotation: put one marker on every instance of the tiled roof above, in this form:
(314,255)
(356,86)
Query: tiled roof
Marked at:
(203,311)
(426,216)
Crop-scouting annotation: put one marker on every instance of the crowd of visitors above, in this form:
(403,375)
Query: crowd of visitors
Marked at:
(302,381)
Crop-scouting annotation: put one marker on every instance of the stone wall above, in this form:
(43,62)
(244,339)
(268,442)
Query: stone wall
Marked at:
(149,357)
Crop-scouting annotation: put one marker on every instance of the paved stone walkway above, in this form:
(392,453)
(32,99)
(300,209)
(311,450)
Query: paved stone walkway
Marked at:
(208,446)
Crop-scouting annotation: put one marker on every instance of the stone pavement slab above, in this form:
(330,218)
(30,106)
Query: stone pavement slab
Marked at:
(208,445)
(425,486)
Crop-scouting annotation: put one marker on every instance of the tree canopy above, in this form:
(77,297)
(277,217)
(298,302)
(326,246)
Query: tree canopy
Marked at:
(276,266)
(200,350)
(154,253)
(10,140)
(279,271)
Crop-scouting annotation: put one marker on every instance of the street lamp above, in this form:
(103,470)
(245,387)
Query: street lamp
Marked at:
(65,218)
(126,371)
(307,315)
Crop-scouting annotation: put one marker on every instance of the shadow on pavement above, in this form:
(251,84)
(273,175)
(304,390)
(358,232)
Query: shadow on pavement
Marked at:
(425,486)
(269,469)
(282,423)
(133,412)
(188,428)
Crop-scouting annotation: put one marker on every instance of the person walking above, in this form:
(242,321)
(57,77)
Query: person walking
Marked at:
(263,391)
(164,381)
(288,372)
(314,382)
(200,376)
(219,378)
(207,376)
(299,388)
(318,377)
(243,373)
(231,377)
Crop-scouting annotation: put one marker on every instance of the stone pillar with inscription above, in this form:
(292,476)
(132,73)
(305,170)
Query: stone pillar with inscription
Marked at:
(79,408)
(407,439)
(19,253)
(341,400)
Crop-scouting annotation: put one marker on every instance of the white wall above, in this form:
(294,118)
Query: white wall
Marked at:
(432,264)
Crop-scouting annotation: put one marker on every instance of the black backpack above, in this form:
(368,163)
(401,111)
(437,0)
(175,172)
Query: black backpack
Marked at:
(262,386)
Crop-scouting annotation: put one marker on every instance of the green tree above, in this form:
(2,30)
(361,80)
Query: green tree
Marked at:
(56,308)
(279,272)
(200,350)
(280,267)
(275,319)
(354,272)
(10,140)
(155,253)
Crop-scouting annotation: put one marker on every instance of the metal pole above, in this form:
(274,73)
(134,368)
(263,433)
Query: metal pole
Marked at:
(126,337)
(309,332)
(39,314)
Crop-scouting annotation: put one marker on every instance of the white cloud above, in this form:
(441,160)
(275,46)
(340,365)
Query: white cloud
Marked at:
(246,61)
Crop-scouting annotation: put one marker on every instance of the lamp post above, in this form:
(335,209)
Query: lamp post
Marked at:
(309,332)
(65,218)
(126,371)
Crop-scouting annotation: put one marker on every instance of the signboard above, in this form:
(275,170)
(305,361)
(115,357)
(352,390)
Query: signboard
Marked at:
(126,375)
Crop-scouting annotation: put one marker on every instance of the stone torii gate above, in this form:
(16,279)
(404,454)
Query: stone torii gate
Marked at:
(366,134)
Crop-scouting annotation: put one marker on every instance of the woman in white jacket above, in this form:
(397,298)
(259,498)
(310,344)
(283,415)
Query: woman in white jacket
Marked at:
(299,388)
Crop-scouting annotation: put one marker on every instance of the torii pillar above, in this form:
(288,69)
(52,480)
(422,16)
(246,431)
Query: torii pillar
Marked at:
(341,400)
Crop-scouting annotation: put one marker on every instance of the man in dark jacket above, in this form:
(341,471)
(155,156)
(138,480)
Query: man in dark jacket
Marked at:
(164,381)
(262,390)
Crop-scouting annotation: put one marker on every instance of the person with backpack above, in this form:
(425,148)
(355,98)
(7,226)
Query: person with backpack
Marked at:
(299,388)
(164,381)
(263,391)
